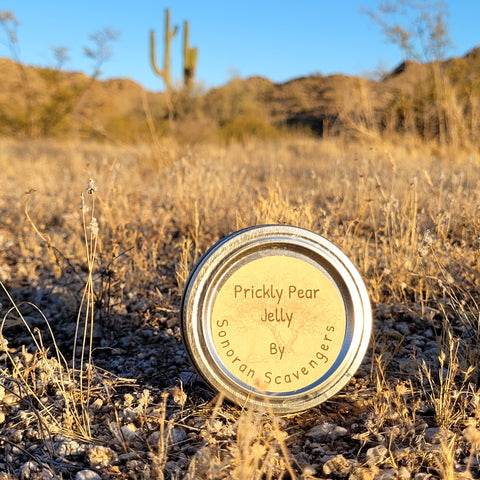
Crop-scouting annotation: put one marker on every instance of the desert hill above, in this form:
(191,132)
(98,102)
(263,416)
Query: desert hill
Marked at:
(420,99)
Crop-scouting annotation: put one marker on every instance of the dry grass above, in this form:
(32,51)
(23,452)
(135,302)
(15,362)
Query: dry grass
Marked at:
(409,219)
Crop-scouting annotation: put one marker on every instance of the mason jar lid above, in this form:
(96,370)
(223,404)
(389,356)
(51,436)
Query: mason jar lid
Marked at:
(275,317)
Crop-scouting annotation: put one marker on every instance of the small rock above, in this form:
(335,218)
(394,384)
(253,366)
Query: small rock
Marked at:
(9,398)
(68,447)
(326,432)
(362,473)
(153,438)
(87,475)
(422,476)
(388,474)
(402,327)
(326,458)
(393,334)
(35,471)
(97,404)
(472,462)
(303,459)
(129,432)
(376,455)
(125,457)
(308,470)
(128,415)
(171,322)
(178,435)
(338,466)
(433,435)
(187,377)
(407,365)
(318,450)
(215,425)
(29,469)
(393,474)
(100,456)
(403,474)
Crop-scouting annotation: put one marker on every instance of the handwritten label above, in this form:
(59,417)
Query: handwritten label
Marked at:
(278,323)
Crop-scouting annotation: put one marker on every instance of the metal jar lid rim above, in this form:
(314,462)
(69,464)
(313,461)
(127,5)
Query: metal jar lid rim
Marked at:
(245,246)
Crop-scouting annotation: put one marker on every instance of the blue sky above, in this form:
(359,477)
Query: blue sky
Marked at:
(279,39)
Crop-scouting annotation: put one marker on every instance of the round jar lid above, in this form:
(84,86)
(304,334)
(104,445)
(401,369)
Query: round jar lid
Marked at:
(275,317)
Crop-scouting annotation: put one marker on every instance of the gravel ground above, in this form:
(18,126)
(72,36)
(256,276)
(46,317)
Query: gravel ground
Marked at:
(412,411)
(150,416)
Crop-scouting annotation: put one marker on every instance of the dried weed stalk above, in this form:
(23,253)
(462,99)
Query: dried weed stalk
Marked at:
(75,384)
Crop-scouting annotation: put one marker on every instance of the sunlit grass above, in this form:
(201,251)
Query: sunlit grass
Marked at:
(408,219)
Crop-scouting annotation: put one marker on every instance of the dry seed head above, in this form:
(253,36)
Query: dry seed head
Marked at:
(93,227)
(178,395)
(442,357)
(92,186)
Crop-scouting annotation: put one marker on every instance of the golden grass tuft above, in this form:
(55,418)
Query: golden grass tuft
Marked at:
(408,218)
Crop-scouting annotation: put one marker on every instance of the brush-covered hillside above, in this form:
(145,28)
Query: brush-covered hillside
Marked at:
(436,101)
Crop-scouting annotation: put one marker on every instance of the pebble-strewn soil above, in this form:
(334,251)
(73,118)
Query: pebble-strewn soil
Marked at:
(379,426)
(412,411)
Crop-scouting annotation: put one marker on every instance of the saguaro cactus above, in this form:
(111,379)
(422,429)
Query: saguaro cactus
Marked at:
(189,58)
(169,34)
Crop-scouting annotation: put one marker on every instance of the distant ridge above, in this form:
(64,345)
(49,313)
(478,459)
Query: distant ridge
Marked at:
(122,108)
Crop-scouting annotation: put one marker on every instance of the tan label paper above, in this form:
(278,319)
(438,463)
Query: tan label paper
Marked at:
(278,323)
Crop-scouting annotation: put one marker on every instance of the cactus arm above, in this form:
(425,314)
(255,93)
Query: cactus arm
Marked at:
(159,72)
(169,34)
(189,57)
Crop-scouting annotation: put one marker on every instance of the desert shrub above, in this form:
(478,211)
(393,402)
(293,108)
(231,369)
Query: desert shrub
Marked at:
(230,101)
(243,127)
(128,129)
(437,108)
